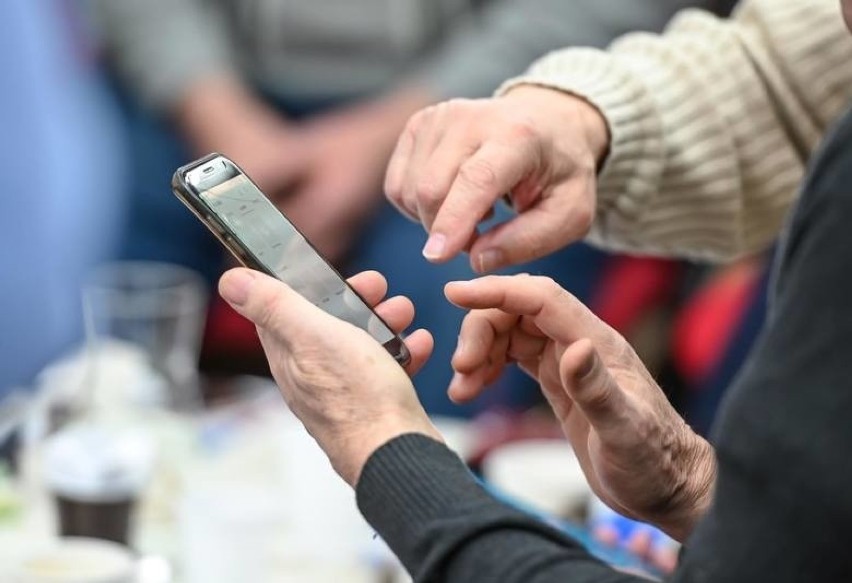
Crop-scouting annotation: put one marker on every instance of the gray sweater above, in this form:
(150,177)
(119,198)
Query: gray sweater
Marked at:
(339,48)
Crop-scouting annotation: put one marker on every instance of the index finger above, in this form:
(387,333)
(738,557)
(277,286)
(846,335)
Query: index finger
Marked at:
(483,179)
(556,312)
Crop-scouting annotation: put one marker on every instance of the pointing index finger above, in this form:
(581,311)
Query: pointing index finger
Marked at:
(557,313)
(485,177)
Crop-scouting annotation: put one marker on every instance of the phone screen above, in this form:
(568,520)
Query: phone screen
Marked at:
(280,247)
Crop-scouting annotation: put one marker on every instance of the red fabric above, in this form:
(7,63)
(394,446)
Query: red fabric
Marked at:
(630,286)
(705,326)
(228,332)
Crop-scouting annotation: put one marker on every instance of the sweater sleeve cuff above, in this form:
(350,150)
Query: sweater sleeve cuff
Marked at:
(431,511)
(411,480)
(634,166)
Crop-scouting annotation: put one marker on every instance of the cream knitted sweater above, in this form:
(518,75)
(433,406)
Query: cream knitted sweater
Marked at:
(712,122)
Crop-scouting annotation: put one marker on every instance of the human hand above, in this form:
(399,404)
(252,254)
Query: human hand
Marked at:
(455,160)
(347,390)
(638,454)
(345,156)
(218,114)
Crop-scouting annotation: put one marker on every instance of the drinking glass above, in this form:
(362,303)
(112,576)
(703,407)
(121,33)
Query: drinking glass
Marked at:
(158,307)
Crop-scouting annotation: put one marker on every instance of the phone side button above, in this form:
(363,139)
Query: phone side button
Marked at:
(211,220)
(232,245)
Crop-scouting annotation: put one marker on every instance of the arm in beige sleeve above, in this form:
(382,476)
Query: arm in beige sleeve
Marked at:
(711,123)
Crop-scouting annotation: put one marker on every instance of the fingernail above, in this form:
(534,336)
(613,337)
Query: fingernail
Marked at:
(457,379)
(434,248)
(235,285)
(490,260)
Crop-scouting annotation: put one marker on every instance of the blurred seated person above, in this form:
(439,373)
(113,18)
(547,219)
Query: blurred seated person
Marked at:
(310,97)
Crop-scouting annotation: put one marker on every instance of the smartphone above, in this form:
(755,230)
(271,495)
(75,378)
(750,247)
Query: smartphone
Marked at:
(235,210)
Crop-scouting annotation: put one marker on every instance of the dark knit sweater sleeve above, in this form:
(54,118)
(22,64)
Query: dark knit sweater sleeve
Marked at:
(444,526)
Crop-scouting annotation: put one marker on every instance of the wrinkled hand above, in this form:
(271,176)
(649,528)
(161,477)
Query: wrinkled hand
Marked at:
(639,456)
(345,155)
(455,160)
(347,390)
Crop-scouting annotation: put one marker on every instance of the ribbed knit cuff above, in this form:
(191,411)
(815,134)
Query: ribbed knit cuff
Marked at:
(408,478)
(428,507)
(632,171)
(410,482)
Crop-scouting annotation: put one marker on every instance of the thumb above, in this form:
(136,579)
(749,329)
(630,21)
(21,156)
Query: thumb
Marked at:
(551,224)
(269,303)
(592,388)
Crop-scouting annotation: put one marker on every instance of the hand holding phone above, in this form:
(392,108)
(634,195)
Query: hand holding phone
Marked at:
(235,210)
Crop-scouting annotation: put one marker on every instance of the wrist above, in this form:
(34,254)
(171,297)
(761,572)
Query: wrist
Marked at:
(364,443)
(595,128)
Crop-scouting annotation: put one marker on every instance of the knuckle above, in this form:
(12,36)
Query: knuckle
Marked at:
(393,188)
(408,208)
(555,297)
(415,124)
(522,131)
(429,192)
(480,174)
(548,286)
(458,105)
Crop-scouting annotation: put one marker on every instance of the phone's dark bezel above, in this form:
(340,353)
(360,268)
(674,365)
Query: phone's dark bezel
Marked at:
(193,201)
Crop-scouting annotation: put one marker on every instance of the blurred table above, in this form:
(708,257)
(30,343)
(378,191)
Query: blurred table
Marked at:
(240,493)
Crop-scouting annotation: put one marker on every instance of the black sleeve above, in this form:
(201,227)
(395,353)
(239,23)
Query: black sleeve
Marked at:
(783,496)
(444,526)
(783,501)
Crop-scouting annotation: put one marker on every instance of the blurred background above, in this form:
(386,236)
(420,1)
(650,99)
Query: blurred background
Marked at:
(116,355)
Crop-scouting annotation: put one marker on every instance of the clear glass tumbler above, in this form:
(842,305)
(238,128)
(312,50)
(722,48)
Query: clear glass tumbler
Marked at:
(159,307)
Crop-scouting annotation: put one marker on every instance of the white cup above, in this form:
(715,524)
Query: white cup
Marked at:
(76,560)
(97,471)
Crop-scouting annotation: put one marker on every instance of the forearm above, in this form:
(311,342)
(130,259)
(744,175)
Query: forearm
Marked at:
(711,123)
(443,526)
